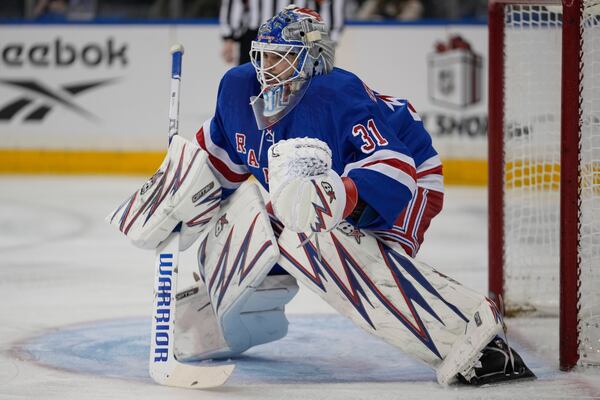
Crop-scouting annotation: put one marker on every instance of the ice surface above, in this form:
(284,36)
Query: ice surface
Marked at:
(77,298)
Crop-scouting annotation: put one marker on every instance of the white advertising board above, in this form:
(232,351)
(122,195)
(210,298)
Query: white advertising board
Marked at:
(101,86)
(106,87)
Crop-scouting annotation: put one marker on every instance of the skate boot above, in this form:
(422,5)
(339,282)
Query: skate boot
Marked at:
(498,363)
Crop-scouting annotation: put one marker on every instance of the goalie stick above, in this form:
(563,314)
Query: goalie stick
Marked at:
(164,368)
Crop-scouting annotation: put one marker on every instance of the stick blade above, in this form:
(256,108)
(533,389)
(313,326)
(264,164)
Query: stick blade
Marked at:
(193,376)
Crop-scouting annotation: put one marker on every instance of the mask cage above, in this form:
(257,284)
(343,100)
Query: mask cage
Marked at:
(292,57)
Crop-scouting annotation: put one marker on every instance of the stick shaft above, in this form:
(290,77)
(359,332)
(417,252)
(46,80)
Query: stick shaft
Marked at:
(164,367)
(163,320)
(176,60)
(167,259)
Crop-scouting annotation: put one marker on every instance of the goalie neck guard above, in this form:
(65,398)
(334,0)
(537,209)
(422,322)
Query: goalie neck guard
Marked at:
(289,49)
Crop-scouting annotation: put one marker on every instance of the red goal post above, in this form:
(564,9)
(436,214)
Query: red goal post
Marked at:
(536,170)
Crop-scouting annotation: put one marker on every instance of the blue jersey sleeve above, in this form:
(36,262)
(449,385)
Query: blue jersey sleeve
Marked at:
(414,135)
(224,160)
(375,156)
(379,163)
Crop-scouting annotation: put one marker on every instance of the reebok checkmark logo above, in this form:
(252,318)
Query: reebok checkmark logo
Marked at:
(38,99)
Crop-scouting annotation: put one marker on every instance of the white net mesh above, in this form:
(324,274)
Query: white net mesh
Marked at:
(532,157)
(532,106)
(589,228)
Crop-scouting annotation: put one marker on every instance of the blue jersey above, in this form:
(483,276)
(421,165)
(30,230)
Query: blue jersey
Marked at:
(378,141)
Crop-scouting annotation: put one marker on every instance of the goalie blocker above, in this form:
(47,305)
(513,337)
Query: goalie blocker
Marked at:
(184,189)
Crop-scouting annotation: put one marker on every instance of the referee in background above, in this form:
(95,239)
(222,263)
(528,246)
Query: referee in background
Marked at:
(240,20)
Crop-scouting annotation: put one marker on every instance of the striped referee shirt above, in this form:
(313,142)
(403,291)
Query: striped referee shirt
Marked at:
(238,16)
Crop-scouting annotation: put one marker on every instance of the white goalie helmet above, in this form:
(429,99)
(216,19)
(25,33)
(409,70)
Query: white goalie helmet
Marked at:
(289,49)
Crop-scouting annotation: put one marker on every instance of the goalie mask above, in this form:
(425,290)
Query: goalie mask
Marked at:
(289,49)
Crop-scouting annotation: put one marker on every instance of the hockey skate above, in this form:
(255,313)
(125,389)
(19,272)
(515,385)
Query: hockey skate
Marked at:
(497,363)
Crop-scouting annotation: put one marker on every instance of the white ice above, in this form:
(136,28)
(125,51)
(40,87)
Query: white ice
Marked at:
(76,304)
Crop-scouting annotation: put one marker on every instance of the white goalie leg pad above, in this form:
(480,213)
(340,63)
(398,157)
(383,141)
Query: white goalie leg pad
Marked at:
(184,189)
(235,255)
(199,335)
(380,288)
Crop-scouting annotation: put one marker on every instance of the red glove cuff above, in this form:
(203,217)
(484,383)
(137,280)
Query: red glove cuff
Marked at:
(351,195)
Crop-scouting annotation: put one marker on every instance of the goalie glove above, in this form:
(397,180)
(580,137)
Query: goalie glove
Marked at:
(306,194)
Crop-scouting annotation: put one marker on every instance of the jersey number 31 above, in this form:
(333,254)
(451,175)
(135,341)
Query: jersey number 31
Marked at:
(369,135)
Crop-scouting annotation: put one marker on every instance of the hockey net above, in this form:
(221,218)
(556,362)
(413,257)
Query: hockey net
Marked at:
(530,139)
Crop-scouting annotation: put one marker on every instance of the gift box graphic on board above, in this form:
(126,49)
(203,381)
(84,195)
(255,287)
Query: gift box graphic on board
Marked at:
(454,74)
